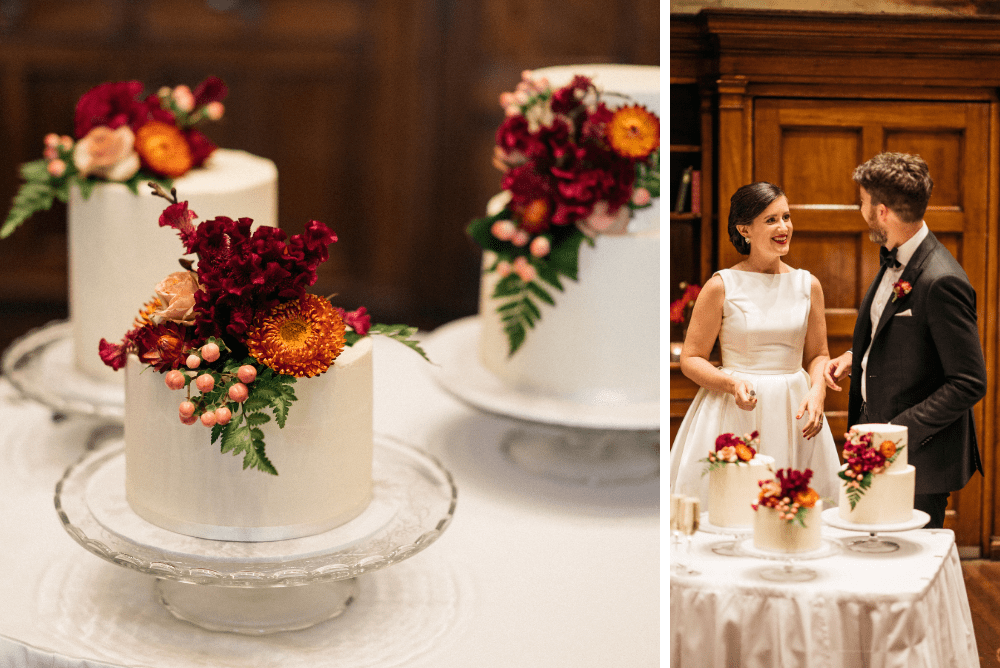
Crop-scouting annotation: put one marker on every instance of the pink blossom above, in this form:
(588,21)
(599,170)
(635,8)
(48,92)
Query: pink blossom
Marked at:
(56,168)
(183,98)
(523,269)
(540,246)
(641,197)
(107,153)
(214,110)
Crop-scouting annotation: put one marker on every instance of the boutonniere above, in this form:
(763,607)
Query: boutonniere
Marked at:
(900,289)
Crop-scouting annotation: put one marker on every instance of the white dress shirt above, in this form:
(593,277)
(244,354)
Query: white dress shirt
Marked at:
(884,293)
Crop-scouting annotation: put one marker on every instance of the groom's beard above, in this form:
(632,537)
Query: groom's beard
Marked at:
(877,233)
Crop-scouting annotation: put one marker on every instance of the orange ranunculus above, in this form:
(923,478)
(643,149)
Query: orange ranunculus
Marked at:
(887,449)
(164,149)
(808,498)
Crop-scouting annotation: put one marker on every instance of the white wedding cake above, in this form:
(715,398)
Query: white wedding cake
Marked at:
(733,489)
(118,252)
(889,497)
(774,534)
(178,480)
(600,342)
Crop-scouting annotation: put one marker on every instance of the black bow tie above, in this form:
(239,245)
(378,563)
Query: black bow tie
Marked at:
(887,258)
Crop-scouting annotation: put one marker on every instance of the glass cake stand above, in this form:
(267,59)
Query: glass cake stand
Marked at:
(585,442)
(790,571)
(872,543)
(264,587)
(41,366)
(728,548)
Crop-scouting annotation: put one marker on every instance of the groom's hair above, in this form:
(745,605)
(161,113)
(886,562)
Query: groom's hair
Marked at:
(745,205)
(900,181)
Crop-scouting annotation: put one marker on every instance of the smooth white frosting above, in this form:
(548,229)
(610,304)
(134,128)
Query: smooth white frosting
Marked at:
(118,252)
(176,479)
(774,534)
(733,488)
(889,499)
(600,343)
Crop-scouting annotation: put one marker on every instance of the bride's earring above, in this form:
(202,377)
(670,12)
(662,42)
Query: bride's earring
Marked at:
(748,240)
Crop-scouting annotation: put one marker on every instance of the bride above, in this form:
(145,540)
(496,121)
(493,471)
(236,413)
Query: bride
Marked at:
(769,320)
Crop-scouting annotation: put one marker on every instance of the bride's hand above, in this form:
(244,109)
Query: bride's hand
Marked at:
(746,397)
(813,405)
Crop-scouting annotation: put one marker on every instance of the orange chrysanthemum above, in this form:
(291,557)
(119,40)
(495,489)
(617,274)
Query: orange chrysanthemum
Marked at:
(164,148)
(300,338)
(634,132)
(887,449)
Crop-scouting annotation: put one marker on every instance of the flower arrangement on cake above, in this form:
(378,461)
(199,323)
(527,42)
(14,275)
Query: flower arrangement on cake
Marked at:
(120,136)
(573,168)
(789,493)
(237,330)
(731,449)
(865,460)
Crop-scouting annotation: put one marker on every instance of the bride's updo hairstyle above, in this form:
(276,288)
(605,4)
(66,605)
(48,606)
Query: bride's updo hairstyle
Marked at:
(745,205)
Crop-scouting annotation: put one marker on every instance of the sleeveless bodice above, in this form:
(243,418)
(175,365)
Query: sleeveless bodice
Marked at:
(764,321)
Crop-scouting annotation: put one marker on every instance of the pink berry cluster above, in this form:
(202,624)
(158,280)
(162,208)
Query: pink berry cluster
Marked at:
(191,411)
(57,149)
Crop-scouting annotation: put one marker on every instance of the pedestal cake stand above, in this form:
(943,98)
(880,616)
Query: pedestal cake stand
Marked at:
(872,543)
(41,366)
(264,587)
(790,571)
(561,438)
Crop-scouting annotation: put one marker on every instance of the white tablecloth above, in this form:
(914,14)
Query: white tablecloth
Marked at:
(531,572)
(903,609)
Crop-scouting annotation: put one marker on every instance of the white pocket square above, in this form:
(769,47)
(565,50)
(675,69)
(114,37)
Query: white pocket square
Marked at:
(905,313)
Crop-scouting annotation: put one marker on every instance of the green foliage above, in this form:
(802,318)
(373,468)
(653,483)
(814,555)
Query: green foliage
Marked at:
(402,333)
(854,494)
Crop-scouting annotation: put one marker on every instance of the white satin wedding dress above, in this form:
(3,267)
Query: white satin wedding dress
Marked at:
(764,321)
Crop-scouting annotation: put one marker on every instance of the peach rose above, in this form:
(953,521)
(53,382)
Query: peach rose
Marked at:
(107,153)
(176,293)
(727,454)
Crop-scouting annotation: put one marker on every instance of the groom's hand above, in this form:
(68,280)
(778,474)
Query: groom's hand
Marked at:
(836,369)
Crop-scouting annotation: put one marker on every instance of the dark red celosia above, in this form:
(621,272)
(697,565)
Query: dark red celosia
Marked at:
(200,145)
(212,89)
(793,482)
(112,104)
(567,99)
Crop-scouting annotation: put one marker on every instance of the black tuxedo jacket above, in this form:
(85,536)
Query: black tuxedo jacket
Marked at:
(925,369)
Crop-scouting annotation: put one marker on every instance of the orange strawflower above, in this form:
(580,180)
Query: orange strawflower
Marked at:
(634,132)
(808,498)
(164,148)
(299,338)
(145,316)
(744,452)
(887,449)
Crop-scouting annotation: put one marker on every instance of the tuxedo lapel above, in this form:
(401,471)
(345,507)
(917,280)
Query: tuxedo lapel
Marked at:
(911,272)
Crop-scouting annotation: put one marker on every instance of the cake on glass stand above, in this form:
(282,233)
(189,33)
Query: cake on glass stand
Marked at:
(261,587)
(567,336)
(873,543)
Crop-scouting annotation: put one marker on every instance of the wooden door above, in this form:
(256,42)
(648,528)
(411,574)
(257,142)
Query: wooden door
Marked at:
(811,147)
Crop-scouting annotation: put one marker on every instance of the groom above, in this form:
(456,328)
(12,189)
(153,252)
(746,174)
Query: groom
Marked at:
(916,360)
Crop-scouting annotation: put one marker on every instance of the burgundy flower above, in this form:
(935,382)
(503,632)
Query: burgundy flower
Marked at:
(200,145)
(179,217)
(358,320)
(566,99)
(112,104)
(212,89)
(165,346)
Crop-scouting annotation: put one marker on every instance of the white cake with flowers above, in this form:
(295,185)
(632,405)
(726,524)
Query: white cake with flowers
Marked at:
(232,357)
(735,471)
(877,483)
(123,139)
(787,514)
(572,243)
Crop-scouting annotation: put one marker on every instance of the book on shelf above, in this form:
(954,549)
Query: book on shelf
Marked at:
(696,192)
(683,190)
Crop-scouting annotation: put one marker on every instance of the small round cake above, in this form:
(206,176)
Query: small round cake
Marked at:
(889,498)
(733,489)
(178,480)
(774,534)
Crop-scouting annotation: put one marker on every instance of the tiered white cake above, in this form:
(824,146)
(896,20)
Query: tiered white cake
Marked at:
(178,480)
(889,499)
(572,352)
(773,534)
(118,252)
(733,489)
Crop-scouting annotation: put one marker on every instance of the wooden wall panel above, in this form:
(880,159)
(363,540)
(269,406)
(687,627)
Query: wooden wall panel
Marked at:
(379,115)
